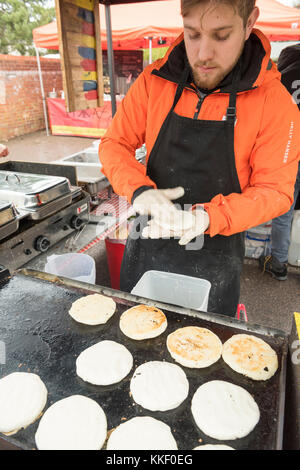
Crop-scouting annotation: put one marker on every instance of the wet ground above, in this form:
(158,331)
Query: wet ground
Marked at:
(39,147)
(268,302)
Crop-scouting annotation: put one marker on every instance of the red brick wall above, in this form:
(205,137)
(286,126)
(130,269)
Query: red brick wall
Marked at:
(21,105)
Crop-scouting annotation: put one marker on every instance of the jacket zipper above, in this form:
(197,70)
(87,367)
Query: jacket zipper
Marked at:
(199,105)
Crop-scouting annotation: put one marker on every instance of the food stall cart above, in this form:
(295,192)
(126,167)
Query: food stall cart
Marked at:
(41,337)
(39,334)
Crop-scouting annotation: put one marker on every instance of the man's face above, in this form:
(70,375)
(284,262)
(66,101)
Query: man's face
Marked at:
(214,39)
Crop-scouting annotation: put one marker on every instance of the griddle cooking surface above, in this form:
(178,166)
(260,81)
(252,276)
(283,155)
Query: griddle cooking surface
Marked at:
(41,337)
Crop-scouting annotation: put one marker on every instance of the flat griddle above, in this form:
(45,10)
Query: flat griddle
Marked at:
(41,337)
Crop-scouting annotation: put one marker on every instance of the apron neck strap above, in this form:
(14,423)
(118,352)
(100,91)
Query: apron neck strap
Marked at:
(231,110)
(182,82)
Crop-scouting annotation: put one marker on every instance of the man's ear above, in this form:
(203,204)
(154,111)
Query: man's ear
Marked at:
(251,21)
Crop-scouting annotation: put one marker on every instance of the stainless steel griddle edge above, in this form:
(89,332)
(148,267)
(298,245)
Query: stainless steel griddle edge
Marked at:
(212,317)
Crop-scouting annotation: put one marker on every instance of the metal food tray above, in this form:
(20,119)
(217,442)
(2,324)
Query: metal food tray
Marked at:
(88,168)
(9,221)
(41,337)
(29,191)
(7,213)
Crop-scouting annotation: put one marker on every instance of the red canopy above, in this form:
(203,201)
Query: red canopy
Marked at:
(277,21)
(131,23)
(46,36)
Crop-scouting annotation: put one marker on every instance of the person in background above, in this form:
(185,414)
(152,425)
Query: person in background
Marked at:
(275,263)
(3,150)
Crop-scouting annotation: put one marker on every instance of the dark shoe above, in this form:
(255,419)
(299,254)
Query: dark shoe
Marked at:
(270,264)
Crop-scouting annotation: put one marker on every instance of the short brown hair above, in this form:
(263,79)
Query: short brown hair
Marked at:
(244,7)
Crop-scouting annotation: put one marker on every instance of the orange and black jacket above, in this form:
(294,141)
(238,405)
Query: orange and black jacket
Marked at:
(267,134)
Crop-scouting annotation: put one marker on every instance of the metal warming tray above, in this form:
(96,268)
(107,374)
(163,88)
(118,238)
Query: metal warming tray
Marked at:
(7,213)
(9,221)
(41,337)
(88,168)
(37,195)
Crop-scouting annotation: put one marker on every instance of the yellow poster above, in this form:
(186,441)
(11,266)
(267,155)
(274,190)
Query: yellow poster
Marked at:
(297,321)
(87,4)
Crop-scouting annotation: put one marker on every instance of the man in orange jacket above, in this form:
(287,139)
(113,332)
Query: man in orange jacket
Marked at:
(223,139)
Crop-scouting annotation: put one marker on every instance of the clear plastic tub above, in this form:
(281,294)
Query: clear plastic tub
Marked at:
(294,249)
(72,265)
(175,289)
(258,240)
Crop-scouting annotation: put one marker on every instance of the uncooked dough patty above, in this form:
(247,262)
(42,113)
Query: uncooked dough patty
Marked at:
(177,220)
(93,309)
(159,386)
(23,397)
(73,423)
(104,363)
(193,346)
(224,411)
(250,356)
(142,433)
(213,447)
(142,322)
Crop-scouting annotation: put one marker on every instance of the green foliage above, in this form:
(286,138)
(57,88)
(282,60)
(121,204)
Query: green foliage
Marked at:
(17,20)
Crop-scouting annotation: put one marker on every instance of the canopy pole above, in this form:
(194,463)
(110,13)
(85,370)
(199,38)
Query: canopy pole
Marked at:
(150,50)
(110,58)
(42,89)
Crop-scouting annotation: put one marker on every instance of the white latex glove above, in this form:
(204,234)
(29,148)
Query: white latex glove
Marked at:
(157,202)
(154,231)
(200,223)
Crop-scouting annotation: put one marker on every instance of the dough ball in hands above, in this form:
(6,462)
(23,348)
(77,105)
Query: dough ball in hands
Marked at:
(143,322)
(142,433)
(94,309)
(250,356)
(73,423)
(23,396)
(176,220)
(194,347)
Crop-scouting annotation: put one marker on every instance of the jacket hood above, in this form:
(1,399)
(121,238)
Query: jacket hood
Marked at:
(256,64)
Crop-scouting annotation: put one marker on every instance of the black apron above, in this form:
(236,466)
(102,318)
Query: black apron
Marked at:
(198,155)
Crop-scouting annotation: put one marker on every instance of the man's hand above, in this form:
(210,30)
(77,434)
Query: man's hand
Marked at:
(200,223)
(154,231)
(157,202)
(3,150)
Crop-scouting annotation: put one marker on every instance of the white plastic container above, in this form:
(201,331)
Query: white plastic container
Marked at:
(175,289)
(75,266)
(258,240)
(294,250)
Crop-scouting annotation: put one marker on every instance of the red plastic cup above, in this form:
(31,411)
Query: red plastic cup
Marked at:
(114,252)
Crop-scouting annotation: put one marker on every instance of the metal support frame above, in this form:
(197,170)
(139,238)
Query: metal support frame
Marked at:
(150,49)
(42,89)
(110,58)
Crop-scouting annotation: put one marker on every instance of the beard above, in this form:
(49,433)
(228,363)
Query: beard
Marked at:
(208,81)
(211,80)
